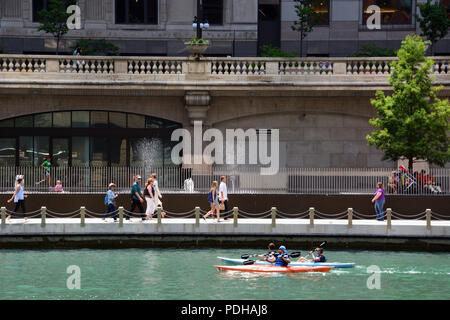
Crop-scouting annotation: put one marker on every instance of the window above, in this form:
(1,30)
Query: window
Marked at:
(392,11)
(43,120)
(213,11)
(61,119)
(7,152)
(39,5)
(137,11)
(446,4)
(80,119)
(322,7)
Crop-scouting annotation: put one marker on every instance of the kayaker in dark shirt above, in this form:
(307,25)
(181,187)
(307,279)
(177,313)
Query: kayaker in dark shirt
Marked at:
(282,258)
(315,258)
(269,255)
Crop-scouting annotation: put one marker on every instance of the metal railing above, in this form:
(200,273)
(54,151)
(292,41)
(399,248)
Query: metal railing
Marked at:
(244,179)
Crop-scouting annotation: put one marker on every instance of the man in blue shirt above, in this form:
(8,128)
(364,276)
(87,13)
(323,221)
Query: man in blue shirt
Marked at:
(136,197)
(282,260)
(111,202)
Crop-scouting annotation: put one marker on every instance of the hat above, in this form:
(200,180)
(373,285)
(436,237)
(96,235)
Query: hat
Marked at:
(138,177)
(111,184)
(283,248)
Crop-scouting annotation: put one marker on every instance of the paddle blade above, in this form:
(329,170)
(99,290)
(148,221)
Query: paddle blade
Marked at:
(245,256)
(249,262)
(295,254)
(322,244)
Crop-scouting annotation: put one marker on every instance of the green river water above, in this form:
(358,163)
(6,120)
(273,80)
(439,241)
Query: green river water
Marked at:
(171,274)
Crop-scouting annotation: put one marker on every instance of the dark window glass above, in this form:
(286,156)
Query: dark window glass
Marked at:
(99,119)
(136,121)
(7,152)
(151,122)
(41,150)
(446,4)
(9,123)
(322,7)
(24,122)
(269,12)
(213,11)
(39,5)
(61,119)
(392,11)
(118,151)
(60,152)
(26,151)
(80,151)
(146,152)
(80,119)
(43,120)
(137,11)
(99,151)
(117,120)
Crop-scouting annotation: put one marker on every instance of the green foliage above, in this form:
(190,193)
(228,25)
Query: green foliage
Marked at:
(433,21)
(197,41)
(307,19)
(97,47)
(54,20)
(275,52)
(413,121)
(368,50)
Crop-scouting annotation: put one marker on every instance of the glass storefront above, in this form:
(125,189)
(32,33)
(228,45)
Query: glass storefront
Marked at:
(96,139)
(392,11)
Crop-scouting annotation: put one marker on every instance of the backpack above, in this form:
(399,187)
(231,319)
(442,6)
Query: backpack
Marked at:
(106,200)
(210,197)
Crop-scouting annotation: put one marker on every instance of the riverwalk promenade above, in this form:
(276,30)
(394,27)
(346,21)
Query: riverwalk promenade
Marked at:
(426,234)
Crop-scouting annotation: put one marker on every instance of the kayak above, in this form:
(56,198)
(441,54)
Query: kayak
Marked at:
(304,264)
(272,268)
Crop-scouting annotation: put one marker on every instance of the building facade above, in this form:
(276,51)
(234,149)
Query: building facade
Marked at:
(237,27)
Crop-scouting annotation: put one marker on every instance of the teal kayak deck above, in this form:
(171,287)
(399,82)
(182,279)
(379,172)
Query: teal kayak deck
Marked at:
(306,264)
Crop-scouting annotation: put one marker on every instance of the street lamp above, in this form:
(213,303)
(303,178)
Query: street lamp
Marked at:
(200,22)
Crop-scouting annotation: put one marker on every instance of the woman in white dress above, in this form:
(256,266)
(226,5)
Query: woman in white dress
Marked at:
(150,197)
(158,194)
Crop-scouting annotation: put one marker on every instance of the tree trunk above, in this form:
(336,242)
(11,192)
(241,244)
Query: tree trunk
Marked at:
(57,46)
(410,164)
(301,44)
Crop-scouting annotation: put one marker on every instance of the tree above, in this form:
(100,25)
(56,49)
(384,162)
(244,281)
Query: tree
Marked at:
(97,47)
(368,50)
(54,20)
(307,19)
(275,52)
(413,121)
(433,21)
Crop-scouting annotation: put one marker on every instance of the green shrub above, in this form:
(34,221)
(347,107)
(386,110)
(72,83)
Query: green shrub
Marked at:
(368,50)
(97,47)
(275,52)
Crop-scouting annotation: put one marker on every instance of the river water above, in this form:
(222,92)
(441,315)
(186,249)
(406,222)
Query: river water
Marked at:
(172,274)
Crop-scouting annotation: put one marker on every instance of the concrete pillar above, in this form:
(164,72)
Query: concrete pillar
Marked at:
(121,66)
(274,217)
(340,67)
(3,214)
(389,217)
(83,215)
(311,217)
(428,216)
(120,217)
(235,216)
(197,217)
(197,105)
(350,217)
(159,216)
(43,216)
(272,68)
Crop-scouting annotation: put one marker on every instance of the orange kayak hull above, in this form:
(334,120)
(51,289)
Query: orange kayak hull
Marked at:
(272,268)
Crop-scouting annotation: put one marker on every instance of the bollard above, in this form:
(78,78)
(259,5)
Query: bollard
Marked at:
(389,217)
(350,217)
(428,215)
(311,217)
(235,216)
(120,217)
(3,213)
(83,215)
(159,215)
(197,217)
(43,216)
(274,217)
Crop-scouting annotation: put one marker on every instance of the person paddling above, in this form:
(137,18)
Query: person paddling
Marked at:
(316,258)
(268,256)
(282,260)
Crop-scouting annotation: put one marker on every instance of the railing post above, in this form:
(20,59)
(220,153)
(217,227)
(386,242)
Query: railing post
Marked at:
(120,217)
(3,213)
(389,217)
(83,215)
(311,217)
(272,67)
(52,65)
(428,216)
(43,216)
(274,217)
(340,67)
(159,215)
(120,66)
(235,216)
(350,217)
(197,217)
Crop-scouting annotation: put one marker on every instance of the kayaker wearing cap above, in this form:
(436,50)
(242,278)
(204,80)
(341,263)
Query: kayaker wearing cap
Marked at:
(282,258)
(270,255)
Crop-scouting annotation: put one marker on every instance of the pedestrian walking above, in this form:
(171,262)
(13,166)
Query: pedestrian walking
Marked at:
(213,199)
(223,197)
(19,198)
(110,201)
(158,194)
(150,198)
(46,166)
(379,201)
(136,197)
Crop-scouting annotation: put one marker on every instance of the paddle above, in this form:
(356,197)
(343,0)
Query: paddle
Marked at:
(314,250)
(294,254)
